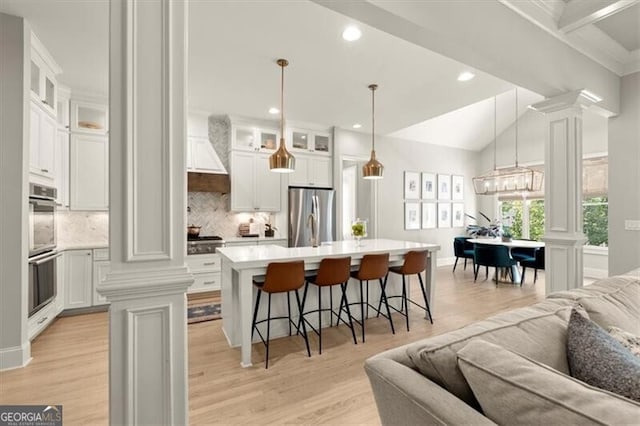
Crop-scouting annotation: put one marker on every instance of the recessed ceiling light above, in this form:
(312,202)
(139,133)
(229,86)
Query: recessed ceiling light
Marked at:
(351,33)
(273,110)
(357,126)
(466,76)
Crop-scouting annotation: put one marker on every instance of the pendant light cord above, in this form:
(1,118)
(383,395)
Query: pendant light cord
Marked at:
(495,118)
(373,119)
(516,127)
(282,101)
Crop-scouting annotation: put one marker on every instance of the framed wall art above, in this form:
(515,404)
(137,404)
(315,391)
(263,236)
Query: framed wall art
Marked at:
(457,215)
(444,187)
(411,215)
(457,188)
(428,187)
(428,215)
(444,215)
(411,185)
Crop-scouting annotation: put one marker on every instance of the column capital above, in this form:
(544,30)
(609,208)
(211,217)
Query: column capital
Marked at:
(582,99)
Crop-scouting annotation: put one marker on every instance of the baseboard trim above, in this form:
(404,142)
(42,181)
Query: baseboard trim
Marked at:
(15,357)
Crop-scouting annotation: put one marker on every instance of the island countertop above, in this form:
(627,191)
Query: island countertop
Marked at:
(241,263)
(249,256)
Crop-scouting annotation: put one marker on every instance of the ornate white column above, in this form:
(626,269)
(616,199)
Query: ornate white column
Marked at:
(148,280)
(563,237)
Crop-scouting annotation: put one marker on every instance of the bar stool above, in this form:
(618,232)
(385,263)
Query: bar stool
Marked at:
(332,272)
(373,267)
(415,262)
(282,277)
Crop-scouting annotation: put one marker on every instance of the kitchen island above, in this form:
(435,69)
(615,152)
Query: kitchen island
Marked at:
(241,264)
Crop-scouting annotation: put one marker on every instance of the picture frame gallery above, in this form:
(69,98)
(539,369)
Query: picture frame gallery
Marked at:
(433,200)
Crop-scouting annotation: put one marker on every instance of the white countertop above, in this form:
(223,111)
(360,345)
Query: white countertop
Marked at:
(261,238)
(82,246)
(271,253)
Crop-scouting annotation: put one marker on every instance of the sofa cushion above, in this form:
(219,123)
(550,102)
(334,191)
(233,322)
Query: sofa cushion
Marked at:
(612,301)
(600,360)
(538,331)
(513,389)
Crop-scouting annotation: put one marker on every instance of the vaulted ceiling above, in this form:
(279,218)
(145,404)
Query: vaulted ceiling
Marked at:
(234,44)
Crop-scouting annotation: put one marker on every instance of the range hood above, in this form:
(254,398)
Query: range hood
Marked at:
(208,182)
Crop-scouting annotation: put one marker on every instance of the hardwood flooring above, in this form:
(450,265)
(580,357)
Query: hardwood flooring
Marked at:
(70,363)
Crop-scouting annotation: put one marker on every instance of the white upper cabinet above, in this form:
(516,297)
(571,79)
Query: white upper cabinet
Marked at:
(312,171)
(254,138)
(253,186)
(43,83)
(42,137)
(202,157)
(89,117)
(89,172)
(309,141)
(63,108)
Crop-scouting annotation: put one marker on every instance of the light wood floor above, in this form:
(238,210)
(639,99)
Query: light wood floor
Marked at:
(70,363)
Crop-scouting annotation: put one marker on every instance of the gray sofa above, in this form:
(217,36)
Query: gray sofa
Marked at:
(422,382)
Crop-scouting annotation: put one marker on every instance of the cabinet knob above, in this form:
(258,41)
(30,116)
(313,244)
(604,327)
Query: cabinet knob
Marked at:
(66,127)
(45,102)
(88,254)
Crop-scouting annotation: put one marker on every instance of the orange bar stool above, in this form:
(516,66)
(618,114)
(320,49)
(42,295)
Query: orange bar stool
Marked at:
(284,277)
(331,272)
(415,262)
(372,267)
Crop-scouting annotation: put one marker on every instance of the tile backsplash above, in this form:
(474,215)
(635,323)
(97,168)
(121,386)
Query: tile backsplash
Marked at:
(82,227)
(210,211)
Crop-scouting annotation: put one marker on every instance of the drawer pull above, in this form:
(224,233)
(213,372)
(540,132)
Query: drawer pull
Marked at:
(209,282)
(44,170)
(42,320)
(209,263)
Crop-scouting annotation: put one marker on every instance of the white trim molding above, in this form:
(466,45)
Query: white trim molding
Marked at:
(148,353)
(15,357)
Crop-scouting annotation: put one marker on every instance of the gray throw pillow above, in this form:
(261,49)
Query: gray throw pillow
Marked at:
(598,359)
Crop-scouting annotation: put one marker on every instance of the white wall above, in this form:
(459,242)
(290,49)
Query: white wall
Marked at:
(15,349)
(399,156)
(624,178)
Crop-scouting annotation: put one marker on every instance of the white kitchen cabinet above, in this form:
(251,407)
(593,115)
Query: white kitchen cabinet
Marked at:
(89,172)
(78,278)
(246,137)
(202,157)
(44,86)
(206,272)
(253,186)
(42,139)
(312,171)
(309,141)
(89,117)
(100,270)
(62,166)
(63,108)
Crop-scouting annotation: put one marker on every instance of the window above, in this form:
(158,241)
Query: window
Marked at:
(525,218)
(595,211)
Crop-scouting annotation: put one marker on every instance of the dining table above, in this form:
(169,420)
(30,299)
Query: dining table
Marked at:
(513,243)
(241,264)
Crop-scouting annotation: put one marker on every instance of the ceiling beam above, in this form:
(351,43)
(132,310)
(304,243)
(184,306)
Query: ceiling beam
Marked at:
(577,14)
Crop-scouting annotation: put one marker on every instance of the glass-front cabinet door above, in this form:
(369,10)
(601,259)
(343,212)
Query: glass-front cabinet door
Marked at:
(89,117)
(243,138)
(268,140)
(300,140)
(322,143)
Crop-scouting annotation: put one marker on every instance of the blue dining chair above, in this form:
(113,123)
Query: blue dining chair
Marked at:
(494,256)
(535,263)
(524,253)
(462,248)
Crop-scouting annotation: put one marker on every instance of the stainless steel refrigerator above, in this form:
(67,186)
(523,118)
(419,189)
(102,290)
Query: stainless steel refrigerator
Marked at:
(312,216)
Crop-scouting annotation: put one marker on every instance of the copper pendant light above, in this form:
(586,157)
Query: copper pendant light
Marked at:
(282,161)
(373,169)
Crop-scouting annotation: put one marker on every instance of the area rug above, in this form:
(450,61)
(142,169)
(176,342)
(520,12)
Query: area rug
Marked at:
(204,312)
